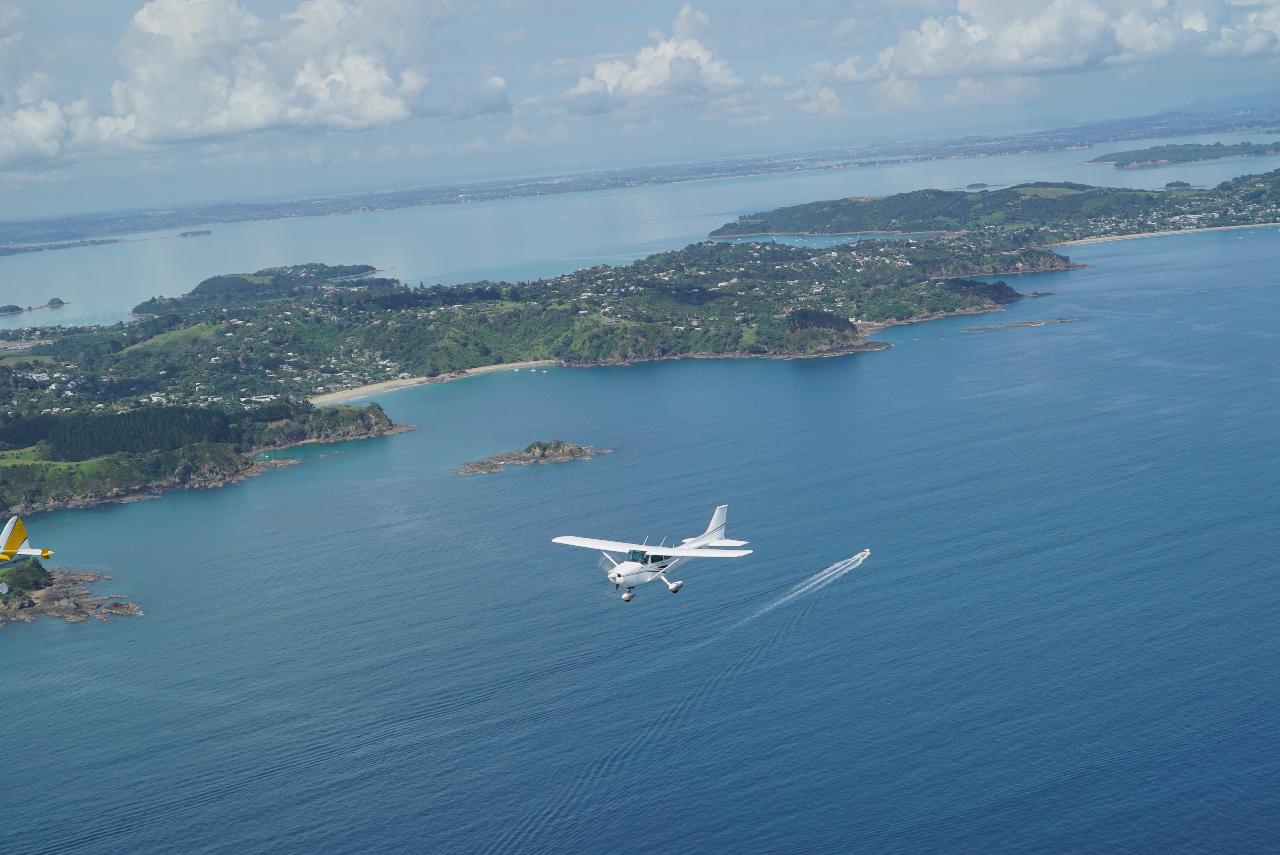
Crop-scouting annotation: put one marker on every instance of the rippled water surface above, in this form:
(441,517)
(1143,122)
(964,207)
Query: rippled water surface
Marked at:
(1064,637)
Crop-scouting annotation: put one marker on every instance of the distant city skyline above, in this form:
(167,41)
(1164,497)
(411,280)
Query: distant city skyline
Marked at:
(125,103)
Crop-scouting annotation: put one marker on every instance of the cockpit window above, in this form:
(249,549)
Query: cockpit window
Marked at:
(636,555)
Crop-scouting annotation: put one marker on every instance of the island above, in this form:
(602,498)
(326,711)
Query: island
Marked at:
(555,451)
(193,390)
(1168,155)
(1038,214)
(1020,324)
(34,591)
(12,309)
(195,233)
(19,249)
(33,235)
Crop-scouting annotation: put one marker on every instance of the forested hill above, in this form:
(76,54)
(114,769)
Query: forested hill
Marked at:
(1028,214)
(82,457)
(271,283)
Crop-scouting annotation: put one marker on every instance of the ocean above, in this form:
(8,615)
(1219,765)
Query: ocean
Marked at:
(1063,638)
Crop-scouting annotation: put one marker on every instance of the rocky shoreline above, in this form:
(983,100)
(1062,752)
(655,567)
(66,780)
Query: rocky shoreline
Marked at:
(68,598)
(1018,324)
(197,481)
(556,451)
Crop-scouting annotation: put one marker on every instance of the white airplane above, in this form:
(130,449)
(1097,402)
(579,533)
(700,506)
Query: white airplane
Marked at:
(13,542)
(644,562)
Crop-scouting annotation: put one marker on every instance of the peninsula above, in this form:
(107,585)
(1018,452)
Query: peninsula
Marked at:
(89,229)
(1167,155)
(1037,214)
(83,457)
(555,451)
(192,391)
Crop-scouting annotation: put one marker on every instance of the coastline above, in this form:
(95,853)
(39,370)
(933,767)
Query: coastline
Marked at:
(1165,233)
(69,598)
(873,232)
(866,345)
(365,391)
(369,390)
(259,464)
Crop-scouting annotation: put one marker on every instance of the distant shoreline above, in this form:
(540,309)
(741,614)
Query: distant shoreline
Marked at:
(714,236)
(1166,233)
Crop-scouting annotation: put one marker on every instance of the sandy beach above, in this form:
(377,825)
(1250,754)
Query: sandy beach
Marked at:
(405,382)
(1109,238)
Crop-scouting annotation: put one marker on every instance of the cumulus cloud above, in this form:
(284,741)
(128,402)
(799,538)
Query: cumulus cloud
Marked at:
(679,65)
(32,133)
(1257,34)
(1026,37)
(208,69)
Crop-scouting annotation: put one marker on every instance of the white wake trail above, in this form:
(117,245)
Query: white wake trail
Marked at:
(821,579)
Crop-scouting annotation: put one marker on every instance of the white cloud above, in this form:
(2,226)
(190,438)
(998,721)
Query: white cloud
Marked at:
(32,133)
(848,70)
(207,69)
(676,66)
(1258,33)
(1025,37)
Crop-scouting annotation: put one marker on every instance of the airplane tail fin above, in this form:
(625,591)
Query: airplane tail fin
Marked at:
(718,521)
(715,531)
(13,541)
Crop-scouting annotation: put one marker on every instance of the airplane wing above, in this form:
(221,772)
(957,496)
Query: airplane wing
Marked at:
(668,551)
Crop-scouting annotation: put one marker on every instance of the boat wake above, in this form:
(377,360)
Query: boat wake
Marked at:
(566,816)
(817,581)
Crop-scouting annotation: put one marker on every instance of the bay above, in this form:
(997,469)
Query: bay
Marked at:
(519,239)
(1063,638)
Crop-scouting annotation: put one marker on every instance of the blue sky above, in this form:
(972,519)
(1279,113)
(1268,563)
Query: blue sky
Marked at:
(122,103)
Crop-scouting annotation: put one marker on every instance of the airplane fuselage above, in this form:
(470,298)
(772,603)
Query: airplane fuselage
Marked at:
(643,562)
(630,573)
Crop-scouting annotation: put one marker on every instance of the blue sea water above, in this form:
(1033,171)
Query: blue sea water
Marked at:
(1064,638)
(519,239)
